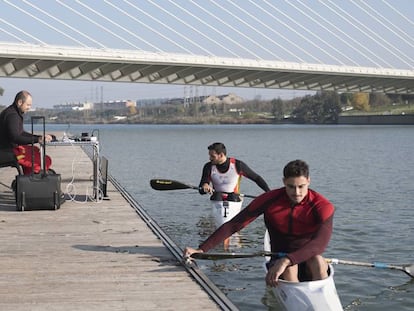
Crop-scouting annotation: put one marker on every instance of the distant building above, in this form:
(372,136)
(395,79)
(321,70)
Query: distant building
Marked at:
(149,101)
(71,106)
(211,100)
(228,99)
(232,99)
(114,105)
(111,105)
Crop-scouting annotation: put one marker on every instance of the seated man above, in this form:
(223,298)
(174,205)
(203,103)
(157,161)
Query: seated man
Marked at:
(14,137)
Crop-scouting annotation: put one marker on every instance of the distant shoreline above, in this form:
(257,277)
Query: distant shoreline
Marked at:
(402,119)
(407,119)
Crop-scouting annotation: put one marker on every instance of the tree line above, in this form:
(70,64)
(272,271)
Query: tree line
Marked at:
(323,107)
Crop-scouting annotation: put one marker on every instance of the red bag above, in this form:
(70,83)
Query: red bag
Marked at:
(24,158)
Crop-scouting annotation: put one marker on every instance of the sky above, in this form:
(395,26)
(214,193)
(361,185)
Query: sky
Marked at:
(370,33)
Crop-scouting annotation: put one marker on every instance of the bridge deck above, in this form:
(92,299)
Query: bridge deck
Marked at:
(87,255)
(50,62)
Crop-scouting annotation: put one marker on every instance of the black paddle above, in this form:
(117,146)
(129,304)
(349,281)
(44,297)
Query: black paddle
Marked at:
(408,268)
(169,184)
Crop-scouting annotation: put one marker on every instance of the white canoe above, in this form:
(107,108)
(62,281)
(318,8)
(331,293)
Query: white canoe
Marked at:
(223,211)
(318,295)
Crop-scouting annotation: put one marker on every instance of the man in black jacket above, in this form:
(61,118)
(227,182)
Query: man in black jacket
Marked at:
(14,137)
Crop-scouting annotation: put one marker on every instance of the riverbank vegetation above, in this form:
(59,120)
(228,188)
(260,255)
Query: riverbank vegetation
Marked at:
(320,108)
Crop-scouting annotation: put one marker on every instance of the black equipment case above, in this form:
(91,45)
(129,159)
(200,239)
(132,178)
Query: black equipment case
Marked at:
(38,191)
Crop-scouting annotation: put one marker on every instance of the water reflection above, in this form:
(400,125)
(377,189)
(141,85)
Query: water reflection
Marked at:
(208,224)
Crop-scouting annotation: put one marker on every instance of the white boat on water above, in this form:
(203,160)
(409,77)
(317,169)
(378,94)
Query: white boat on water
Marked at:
(318,295)
(223,211)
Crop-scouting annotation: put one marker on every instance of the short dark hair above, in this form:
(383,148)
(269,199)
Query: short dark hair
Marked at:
(218,148)
(296,168)
(22,95)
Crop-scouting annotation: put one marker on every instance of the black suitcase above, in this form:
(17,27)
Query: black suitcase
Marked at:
(38,191)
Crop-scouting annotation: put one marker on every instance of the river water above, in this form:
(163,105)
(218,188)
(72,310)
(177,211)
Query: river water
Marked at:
(367,172)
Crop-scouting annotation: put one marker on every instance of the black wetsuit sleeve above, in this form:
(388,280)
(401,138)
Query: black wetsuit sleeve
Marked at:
(205,177)
(240,221)
(235,224)
(246,171)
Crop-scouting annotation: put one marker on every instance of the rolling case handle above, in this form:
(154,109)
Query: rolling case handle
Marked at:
(43,145)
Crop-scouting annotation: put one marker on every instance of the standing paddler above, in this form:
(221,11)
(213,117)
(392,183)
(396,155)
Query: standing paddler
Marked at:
(221,179)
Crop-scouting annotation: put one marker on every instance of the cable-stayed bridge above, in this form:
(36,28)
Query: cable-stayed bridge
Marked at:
(346,46)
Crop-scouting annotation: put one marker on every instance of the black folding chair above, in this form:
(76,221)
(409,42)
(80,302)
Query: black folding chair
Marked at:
(8,159)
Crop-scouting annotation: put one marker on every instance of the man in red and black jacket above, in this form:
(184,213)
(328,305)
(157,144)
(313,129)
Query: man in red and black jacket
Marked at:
(299,221)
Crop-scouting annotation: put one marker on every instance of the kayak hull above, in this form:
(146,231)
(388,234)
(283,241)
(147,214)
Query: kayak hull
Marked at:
(223,211)
(320,295)
(307,296)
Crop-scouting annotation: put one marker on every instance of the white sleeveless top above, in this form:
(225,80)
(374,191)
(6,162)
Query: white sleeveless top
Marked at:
(228,181)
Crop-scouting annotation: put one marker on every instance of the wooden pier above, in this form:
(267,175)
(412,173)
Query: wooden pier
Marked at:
(91,254)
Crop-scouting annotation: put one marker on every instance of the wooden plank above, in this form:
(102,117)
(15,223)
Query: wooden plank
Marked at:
(87,255)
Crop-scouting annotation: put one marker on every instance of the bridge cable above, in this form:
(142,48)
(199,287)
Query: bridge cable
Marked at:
(398,12)
(204,23)
(22,31)
(95,23)
(357,43)
(9,33)
(298,33)
(46,24)
(161,23)
(319,37)
(358,28)
(280,35)
(243,34)
(383,24)
(65,24)
(119,26)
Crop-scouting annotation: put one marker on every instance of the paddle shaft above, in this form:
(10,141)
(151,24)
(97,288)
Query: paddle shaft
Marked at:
(169,184)
(219,256)
(408,269)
